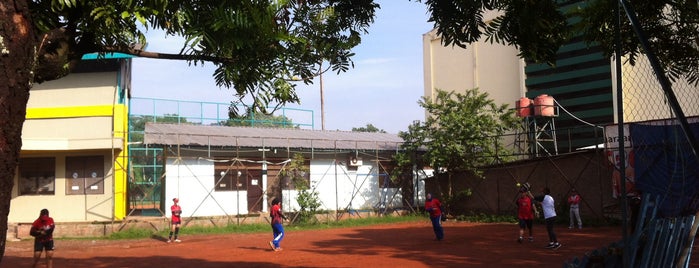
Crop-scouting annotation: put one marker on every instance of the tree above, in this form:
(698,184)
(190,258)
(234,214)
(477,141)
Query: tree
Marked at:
(307,198)
(368,128)
(260,120)
(258,48)
(137,124)
(462,132)
(539,28)
(257,119)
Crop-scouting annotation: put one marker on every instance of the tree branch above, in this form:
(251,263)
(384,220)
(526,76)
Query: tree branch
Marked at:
(168,56)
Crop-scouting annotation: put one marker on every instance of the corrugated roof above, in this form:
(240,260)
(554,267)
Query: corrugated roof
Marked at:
(223,136)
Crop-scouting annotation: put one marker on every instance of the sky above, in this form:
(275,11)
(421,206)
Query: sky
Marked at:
(383,89)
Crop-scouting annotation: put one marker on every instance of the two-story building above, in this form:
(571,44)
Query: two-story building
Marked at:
(73,158)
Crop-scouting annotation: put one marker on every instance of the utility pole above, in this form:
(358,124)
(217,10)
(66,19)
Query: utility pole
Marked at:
(322,100)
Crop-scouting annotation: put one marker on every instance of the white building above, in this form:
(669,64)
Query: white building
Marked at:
(223,171)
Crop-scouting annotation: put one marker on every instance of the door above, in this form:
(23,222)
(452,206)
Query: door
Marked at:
(255,191)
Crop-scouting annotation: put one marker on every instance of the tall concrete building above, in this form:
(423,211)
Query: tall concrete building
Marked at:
(582,83)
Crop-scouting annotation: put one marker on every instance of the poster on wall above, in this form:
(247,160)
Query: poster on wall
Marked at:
(612,140)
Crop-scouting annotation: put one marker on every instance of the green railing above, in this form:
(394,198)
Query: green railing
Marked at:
(213,113)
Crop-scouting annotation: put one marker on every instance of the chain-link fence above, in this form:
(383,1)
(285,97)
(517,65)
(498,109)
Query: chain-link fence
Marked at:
(658,157)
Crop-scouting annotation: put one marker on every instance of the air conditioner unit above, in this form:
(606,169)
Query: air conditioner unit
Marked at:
(354,161)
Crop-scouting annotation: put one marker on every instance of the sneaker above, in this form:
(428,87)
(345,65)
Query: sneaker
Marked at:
(531,239)
(570,227)
(519,240)
(271,244)
(278,249)
(169,241)
(556,246)
(177,240)
(551,245)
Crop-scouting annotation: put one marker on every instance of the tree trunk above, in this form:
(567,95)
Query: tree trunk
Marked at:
(449,185)
(17,58)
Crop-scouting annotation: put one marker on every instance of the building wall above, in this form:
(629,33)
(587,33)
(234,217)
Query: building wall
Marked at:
(357,188)
(491,67)
(82,114)
(644,99)
(68,134)
(192,180)
(76,89)
(62,206)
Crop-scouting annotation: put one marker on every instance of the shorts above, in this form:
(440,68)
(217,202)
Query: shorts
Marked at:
(176,222)
(43,245)
(525,223)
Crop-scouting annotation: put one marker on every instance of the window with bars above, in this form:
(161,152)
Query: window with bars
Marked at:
(227,178)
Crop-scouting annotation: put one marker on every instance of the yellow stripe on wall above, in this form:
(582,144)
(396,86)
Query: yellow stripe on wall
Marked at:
(121,163)
(68,112)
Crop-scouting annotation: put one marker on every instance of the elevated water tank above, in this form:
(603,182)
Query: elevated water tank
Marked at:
(543,105)
(524,107)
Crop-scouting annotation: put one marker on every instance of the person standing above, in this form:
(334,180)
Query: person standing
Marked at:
(549,208)
(574,202)
(42,231)
(277,228)
(175,220)
(525,214)
(434,207)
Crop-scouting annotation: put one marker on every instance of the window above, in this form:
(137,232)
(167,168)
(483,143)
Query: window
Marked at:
(37,176)
(227,178)
(85,175)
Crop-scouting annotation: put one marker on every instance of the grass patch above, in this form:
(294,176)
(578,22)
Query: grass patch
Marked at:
(131,234)
(487,218)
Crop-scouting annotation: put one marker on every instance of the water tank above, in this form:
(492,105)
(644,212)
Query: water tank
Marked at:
(524,107)
(543,105)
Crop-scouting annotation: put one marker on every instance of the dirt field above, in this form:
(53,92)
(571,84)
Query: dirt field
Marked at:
(402,245)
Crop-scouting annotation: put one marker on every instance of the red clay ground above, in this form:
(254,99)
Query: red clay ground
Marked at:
(401,245)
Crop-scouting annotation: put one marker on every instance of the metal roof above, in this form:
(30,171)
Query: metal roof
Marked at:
(256,137)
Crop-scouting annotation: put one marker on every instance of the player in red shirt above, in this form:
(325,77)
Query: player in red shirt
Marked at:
(42,231)
(175,220)
(277,216)
(434,207)
(525,213)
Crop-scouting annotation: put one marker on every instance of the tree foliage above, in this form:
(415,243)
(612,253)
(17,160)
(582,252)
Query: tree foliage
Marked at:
(307,198)
(368,128)
(137,124)
(258,47)
(539,28)
(671,25)
(258,119)
(462,132)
